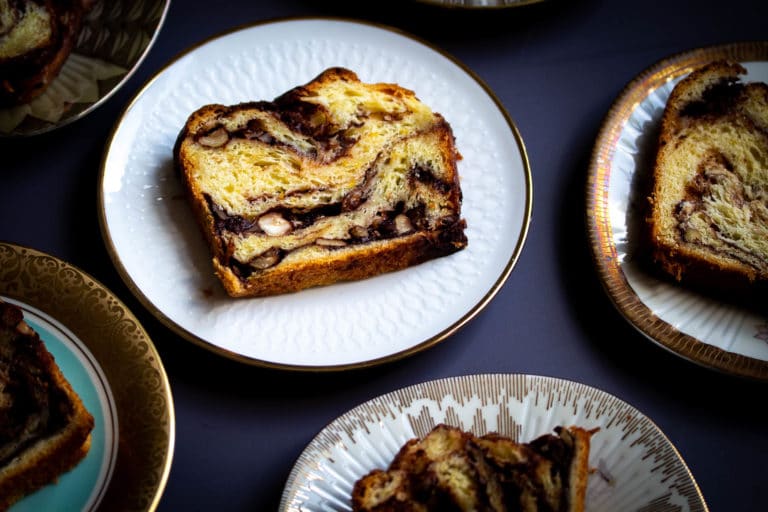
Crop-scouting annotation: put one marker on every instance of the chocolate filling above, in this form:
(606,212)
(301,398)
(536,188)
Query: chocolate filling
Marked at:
(31,407)
(299,218)
(711,171)
(426,175)
(330,142)
(717,100)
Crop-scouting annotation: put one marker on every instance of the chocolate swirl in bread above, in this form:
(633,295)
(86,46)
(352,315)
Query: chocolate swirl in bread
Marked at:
(450,469)
(709,202)
(44,427)
(333,180)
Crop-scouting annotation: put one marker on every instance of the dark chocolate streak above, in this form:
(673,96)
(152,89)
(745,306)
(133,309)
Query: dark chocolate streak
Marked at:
(38,410)
(330,141)
(717,100)
(299,218)
(426,175)
(450,238)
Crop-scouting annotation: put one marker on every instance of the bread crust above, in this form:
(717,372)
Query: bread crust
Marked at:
(321,266)
(578,473)
(44,461)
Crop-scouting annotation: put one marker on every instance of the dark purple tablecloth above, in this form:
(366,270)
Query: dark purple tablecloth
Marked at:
(556,67)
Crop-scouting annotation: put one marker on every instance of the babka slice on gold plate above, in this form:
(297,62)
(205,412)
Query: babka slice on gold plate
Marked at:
(45,430)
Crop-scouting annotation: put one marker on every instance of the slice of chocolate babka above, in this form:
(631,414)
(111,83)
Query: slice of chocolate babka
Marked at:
(450,469)
(44,428)
(333,180)
(709,201)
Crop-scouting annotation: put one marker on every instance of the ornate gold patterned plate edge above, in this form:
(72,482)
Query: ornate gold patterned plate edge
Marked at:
(608,259)
(636,466)
(127,357)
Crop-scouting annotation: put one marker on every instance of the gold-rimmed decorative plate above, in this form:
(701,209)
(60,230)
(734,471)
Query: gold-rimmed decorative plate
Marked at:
(106,355)
(636,467)
(161,255)
(722,336)
(115,38)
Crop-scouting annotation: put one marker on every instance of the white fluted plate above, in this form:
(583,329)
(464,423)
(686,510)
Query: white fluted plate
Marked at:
(636,465)
(160,253)
(698,327)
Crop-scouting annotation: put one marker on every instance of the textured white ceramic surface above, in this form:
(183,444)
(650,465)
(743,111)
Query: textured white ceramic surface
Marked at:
(158,249)
(636,466)
(722,325)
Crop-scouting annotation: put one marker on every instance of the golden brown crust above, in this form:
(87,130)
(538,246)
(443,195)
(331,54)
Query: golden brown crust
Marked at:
(710,100)
(324,141)
(346,265)
(42,462)
(26,76)
(580,469)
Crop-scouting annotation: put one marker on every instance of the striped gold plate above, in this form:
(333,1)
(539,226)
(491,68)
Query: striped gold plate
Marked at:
(636,465)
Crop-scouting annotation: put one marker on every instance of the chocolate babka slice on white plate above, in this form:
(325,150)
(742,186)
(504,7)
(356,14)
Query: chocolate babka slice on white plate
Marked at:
(335,180)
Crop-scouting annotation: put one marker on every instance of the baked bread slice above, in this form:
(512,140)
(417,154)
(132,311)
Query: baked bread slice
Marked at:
(44,428)
(450,469)
(334,180)
(36,37)
(709,199)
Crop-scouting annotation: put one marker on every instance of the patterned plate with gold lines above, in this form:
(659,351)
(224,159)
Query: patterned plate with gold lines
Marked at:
(99,346)
(635,466)
(722,336)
